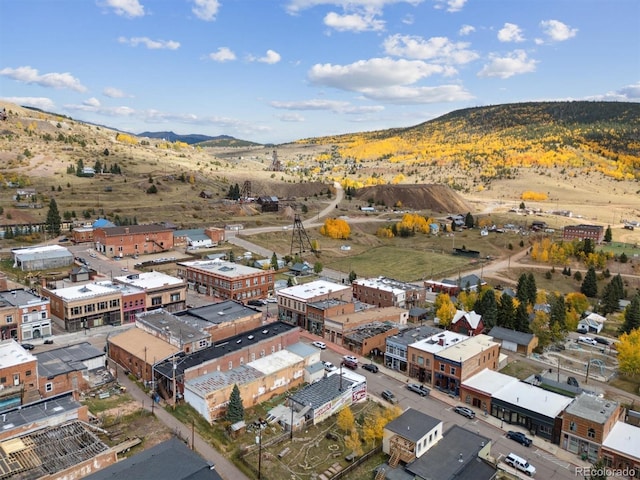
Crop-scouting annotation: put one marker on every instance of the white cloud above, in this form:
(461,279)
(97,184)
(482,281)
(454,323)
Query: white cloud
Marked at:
(450,5)
(206,9)
(628,93)
(296,6)
(556,31)
(291,117)
(112,92)
(37,102)
(354,22)
(91,102)
(54,80)
(328,105)
(466,30)
(271,57)
(437,49)
(223,54)
(150,44)
(371,74)
(515,63)
(510,33)
(400,94)
(126,8)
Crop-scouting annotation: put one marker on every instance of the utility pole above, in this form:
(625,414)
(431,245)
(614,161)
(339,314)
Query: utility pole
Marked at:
(259,440)
(174,382)
(193,437)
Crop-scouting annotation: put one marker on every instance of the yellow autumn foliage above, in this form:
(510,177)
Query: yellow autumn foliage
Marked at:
(534,196)
(335,228)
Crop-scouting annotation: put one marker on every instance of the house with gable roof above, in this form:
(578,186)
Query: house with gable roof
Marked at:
(467,323)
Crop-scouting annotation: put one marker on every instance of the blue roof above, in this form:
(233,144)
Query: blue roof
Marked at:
(103,223)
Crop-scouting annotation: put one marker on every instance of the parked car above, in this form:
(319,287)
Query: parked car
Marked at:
(272,300)
(389,396)
(601,341)
(582,329)
(419,389)
(318,344)
(28,346)
(371,367)
(350,358)
(519,437)
(350,364)
(465,412)
(256,303)
(520,463)
(329,367)
(587,340)
(573,382)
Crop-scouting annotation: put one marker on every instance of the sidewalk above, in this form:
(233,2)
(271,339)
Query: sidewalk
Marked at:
(224,467)
(443,397)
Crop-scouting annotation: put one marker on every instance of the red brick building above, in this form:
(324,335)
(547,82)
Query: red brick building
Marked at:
(133,240)
(18,375)
(582,232)
(227,280)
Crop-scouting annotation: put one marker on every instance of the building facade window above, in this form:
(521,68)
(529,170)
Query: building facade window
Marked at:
(48,387)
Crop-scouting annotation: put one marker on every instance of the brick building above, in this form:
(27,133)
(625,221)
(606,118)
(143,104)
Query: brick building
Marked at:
(369,340)
(420,354)
(18,375)
(133,240)
(318,312)
(338,326)
(386,292)
(86,306)
(478,389)
(462,360)
(293,301)
(586,422)
(161,290)
(223,319)
(621,448)
(227,280)
(24,315)
(582,232)
(467,323)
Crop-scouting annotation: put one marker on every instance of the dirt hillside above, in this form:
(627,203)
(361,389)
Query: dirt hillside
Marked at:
(435,198)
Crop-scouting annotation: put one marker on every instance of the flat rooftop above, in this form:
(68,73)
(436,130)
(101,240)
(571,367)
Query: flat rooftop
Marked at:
(222,268)
(439,341)
(66,359)
(221,312)
(276,362)
(171,325)
(214,381)
(413,335)
(376,314)
(143,345)
(625,439)
(468,348)
(387,284)
(321,392)
(488,381)
(88,290)
(11,354)
(313,289)
(16,417)
(533,399)
(21,297)
(149,280)
(223,347)
(594,408)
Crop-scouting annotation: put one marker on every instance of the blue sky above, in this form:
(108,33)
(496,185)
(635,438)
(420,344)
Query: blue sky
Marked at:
(278,71)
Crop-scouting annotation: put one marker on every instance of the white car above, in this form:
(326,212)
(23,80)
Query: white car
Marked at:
(588,341)
(320,345)
(350,358)
(329,367)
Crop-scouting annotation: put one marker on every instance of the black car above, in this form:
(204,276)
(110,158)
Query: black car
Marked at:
(573,382)
(257,303)
(519,437)
(28,346)
(419,389)
(372,367)
(466,412)
(601,341)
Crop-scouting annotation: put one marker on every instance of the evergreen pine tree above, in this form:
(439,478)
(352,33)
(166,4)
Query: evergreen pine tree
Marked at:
(589,285)
(274,261)
(632,315)
(235,410)
(53,221)
(468,220)
(487,307)
(532,289)
(558,313)
(522,319)
(521,289)
(610,299)
(607,234)
(506,314)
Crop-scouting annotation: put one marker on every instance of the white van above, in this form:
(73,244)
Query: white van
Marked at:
(520,464)
(588,341)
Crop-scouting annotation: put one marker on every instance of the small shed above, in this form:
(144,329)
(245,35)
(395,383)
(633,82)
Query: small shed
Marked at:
(237,429)
(514,341)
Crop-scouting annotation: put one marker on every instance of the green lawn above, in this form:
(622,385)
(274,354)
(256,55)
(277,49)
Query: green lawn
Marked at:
(520,370)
